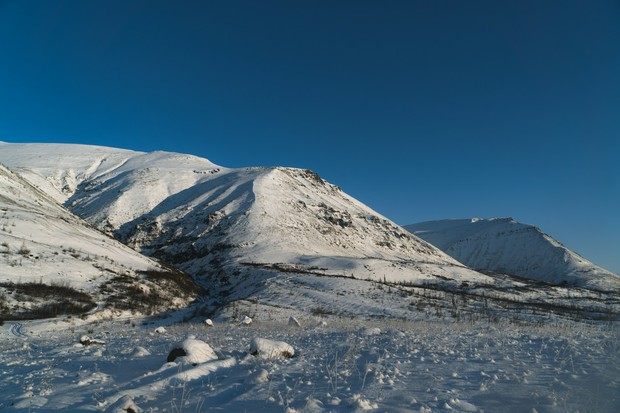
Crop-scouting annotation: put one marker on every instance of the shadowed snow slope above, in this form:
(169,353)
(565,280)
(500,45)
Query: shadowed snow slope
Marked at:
(42,243)
(506,246)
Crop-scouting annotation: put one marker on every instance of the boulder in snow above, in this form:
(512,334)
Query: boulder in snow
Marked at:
(160,330)
(246,321)
(87,341)
(209,322)
(140,351)
(123,405)
(370,331)
(192,351)
(270,349)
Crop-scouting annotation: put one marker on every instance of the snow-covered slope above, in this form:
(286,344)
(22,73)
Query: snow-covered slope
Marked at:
(210,220)
(281,237)
(506,246)
(50,260)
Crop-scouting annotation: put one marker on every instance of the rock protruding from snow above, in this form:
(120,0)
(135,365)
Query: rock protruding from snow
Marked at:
(370,331)
(87,341)
(160,330)
(140,351)
(293,322)
(192,351)
(123,405)
(209,322)
(270,349)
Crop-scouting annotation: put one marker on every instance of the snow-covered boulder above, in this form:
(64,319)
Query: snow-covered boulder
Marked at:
(270,349)
(293,322)
(123,405)
(160,330)
(246,321)
(209,322)
(140,351)
(192,351)
(370,331)
(87,341)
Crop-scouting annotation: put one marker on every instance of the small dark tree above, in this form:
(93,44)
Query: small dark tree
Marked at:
(23,250)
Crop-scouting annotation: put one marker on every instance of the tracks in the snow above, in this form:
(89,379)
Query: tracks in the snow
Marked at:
(16,330)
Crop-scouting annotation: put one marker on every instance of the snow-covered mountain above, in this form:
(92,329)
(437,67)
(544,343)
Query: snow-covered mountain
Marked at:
(270,239)
(207,219)
(504,245)
(52,262)
(268,243)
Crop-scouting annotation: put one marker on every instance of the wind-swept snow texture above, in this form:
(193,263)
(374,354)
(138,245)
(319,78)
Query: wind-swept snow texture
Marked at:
(506,246)
(51,260)
(346,366)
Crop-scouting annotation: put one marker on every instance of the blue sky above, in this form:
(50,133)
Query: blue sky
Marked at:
(421,109)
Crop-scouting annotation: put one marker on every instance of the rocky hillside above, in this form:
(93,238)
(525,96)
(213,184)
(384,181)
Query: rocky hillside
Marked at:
(52,262)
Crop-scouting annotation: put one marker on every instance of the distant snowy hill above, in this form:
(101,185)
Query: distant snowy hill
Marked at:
(506,246)
(52,262)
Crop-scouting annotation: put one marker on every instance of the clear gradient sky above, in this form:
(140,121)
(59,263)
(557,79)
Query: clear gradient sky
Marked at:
(421,109)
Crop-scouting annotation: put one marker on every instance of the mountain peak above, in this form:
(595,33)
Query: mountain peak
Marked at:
(505,245)
(269,232)
(189,211)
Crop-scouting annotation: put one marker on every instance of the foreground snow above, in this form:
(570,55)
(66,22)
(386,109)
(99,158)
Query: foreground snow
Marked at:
(340,366)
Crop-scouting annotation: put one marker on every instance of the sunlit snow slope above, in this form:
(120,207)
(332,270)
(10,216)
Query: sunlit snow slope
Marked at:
(42,243)
(207,219)
(506,246)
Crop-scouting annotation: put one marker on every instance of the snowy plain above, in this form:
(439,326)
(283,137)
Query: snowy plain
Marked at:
(340,365)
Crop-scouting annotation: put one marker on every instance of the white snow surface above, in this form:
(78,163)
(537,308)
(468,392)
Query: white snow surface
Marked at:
(423,366)
(506,246)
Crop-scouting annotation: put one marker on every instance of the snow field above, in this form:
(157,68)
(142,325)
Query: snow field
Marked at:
(339,366)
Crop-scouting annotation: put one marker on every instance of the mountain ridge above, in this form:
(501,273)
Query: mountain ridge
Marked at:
(147,190)
(507,246)
(276,236)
